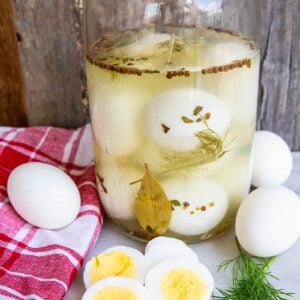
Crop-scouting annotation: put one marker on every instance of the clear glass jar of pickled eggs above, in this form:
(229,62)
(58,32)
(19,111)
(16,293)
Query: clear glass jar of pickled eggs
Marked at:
(173,93)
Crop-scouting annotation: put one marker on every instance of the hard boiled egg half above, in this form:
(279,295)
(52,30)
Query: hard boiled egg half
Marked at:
(116,288)
(173,274)
(117,261)
(164,240)
(172,118)
(165,248)
(179,278)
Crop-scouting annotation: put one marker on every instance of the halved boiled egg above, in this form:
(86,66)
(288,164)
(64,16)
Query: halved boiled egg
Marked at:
(164,240)
(173,118)
(117,288)
(199,204)
(179,278)
(160,251)
(116,261)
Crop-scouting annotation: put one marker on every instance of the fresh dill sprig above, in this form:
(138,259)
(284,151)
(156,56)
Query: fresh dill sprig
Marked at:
(210,149)
(250,279)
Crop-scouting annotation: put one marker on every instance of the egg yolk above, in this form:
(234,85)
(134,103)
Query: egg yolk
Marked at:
(115,263)
(183,284)
(115,293)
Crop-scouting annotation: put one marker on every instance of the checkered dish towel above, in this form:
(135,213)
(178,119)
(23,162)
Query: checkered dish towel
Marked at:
(37,263)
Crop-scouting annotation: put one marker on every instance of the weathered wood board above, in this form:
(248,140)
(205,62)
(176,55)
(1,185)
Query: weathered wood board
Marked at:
(52,61)
(12,104)
(279,107)
(51,52)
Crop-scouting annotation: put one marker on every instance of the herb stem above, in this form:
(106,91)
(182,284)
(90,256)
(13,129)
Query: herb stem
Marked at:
(268,263)
(135,182)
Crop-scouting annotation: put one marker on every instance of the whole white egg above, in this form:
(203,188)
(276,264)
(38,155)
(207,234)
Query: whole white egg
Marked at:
(199,204)
(116,192)
(144,46)
(115,121)
(43,195)
(225,53)
(179,277)
(171,120)
(272,159)
(268,221)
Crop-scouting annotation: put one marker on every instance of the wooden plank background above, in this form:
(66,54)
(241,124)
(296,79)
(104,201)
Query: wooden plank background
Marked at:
(12,100)
(50,46)
(279,107)
(52,60)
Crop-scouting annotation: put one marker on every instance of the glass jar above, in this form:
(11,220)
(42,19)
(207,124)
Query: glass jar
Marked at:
(173,90)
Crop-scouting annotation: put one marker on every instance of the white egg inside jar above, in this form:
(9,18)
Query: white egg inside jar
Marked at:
(116,191)
(173,118)
(199,204)
(115,122)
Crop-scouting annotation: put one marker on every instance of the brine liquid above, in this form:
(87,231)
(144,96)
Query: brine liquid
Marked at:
(141,89)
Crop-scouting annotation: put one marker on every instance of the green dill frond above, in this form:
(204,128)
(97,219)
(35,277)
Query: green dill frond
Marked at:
(210,148)
(250,279)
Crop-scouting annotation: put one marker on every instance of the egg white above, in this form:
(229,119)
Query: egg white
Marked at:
(169,107)
(136,287)
(116,192)
(164,240)
(155,275)
(225,53)
(272,159)
(268,222)
(235,178)
(43,195)
(116,121)
(135,255)
(160,251)
(197,192)
(145,46)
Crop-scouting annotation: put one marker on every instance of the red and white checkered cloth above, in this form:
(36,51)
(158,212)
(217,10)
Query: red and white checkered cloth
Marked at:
(37,263)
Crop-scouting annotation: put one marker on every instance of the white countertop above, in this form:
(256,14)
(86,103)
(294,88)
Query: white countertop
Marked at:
(212,252)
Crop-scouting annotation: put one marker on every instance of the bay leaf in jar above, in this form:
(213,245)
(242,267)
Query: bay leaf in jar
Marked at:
(152,207)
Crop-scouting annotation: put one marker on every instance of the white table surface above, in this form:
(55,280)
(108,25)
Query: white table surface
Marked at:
(286,267)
